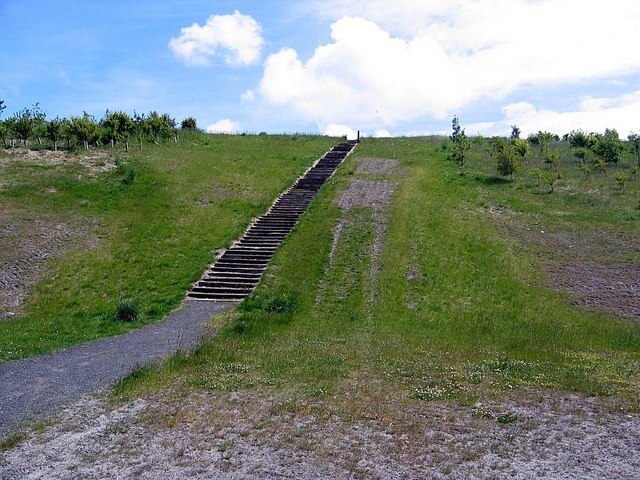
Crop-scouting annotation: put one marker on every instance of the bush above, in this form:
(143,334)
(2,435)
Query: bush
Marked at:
(127,310)
(282,302)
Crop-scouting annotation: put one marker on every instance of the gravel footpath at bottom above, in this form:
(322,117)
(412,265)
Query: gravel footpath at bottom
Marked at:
(39,386)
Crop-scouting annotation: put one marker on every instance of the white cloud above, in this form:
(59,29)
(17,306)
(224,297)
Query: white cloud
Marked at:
(594,115)
(337,130)
(444,56)
(238,36)
(248,96)
(224,125)
(382,133)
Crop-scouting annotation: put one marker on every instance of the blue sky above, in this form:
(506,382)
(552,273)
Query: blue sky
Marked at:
(403,67)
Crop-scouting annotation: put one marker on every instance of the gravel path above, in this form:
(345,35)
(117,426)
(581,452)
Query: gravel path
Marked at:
(39,386)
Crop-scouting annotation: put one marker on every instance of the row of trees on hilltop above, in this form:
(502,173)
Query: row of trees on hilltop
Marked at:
(115,127)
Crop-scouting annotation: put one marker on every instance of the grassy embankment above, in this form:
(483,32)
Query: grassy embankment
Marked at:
(459,311)
(156,233)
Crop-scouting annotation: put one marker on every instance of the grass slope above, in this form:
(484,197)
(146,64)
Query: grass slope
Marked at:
(156,233)
(458,309)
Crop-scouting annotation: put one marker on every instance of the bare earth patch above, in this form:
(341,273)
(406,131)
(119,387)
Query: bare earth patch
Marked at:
(238,435)
(95,161)
(27,243)
(593,266)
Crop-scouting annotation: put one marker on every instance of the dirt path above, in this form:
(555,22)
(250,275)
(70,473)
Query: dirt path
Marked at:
(38,386)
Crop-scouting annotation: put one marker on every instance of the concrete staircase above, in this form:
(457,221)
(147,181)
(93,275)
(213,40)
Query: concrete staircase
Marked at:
(237,271)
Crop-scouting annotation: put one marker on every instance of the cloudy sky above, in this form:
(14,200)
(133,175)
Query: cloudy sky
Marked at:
(401,68)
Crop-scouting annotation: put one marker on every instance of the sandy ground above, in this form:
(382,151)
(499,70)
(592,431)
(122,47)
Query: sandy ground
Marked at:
(94,161)
(243,435)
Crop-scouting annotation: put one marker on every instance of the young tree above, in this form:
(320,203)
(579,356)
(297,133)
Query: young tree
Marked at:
(461,143)
(608,146)
(634,141)
(189,123)
(542,140)
(586,170)
(141,127)
(521,147)
(117,126)
(580,139)
(507,163)
(168,127)
(551,159)
(581,154)
(85,129)
(600,164)
(56,130)
(25,122)
(621,178)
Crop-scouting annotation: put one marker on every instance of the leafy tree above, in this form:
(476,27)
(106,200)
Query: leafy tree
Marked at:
(621,178)
(600,164)
(189,123)
(507,163)
(141,127)
(515,131)
(551,159)
(608,146)
(521,147)
(548,178)
(56,130)
(85,129)
(542,140)
(580,139)
(461,143)
(25,122)
(168,127)
(581,154)
(586,170)
(634,140)
(9,130)
(4,132)
(117,126)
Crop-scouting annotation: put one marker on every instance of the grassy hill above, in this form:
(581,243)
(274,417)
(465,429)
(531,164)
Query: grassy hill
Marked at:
(145,229)
(417,280)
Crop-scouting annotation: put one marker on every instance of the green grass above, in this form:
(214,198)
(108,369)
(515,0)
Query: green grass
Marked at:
(472,319)
(157,228)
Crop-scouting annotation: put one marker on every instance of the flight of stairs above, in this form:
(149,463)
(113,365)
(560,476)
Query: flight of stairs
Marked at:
(237,271)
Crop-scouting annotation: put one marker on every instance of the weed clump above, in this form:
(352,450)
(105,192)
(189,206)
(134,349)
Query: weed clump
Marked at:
(127,310)
(126,171)
(282,302)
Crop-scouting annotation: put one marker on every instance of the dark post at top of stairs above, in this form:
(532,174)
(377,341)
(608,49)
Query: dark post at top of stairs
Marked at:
(238,270)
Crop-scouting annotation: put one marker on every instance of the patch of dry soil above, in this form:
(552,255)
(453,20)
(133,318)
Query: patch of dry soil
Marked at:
(592,266)
(27,243)
(243,435)
(95,161)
